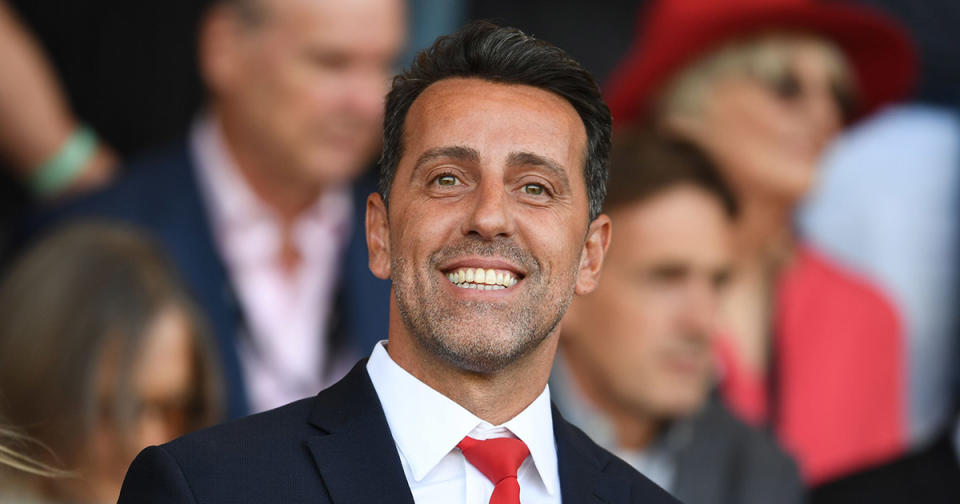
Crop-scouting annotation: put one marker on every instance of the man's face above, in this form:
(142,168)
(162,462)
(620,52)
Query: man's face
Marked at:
(491,180)
(642,338)
(303,88)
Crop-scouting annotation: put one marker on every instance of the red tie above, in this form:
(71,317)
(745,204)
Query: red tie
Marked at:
(498,459)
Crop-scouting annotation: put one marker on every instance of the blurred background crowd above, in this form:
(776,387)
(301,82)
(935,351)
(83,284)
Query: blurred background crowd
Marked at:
(182,188)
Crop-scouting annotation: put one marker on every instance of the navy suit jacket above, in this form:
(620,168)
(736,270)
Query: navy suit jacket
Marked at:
(337,448)
(160,193)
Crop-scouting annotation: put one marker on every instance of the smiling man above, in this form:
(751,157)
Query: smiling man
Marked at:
(488,223)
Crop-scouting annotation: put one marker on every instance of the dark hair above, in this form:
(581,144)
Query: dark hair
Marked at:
(251,12)
(645,163)
(82,298)
(506,55)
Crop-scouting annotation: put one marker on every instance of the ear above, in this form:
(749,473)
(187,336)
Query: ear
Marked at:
(378,237)
(218,49)
(594,250)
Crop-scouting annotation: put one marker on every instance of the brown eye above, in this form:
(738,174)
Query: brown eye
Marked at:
(446,180)
(533,189)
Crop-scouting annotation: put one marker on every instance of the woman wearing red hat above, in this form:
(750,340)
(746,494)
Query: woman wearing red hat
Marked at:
(763,86)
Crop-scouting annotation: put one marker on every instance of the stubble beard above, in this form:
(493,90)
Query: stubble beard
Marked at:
(478,336)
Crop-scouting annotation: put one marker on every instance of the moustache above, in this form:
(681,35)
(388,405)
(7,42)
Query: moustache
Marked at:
(502,247)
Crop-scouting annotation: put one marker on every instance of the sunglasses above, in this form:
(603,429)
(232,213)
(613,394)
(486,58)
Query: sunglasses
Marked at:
(789,88)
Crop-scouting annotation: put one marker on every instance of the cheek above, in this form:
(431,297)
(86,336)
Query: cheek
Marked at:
(559,253)
(614,320)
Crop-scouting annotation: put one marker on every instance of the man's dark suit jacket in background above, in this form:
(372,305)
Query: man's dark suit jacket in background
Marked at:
(160,194)
(727,462)
(337,448)
(930,476)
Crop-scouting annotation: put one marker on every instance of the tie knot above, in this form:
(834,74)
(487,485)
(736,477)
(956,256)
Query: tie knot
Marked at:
(496,458)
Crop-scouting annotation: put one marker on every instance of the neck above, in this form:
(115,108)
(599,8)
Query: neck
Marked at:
(634,429)
(493,397)
(285,193)
(764,234)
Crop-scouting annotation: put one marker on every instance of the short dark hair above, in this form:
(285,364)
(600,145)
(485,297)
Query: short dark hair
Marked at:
(251,12)
(506,55)
(645,163)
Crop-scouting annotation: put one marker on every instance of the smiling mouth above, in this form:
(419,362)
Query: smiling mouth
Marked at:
(482,279)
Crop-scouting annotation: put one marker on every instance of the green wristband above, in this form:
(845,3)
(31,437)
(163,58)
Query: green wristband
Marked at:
(60,170)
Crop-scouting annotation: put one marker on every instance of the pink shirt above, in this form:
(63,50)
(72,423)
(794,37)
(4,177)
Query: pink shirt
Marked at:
(840,391)
(284,348)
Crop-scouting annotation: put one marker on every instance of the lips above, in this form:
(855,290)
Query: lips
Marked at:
(482,273)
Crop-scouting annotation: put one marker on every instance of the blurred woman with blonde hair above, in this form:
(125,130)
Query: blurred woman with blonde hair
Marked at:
(101,354)
(763,87)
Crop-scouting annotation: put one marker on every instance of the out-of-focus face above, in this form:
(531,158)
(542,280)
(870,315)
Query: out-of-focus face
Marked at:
(163,384)
(487,235)
(303,86)
(767,137)
(642,340)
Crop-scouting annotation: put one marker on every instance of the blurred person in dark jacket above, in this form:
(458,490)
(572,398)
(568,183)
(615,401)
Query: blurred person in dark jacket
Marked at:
(261,207)
(101,354)
(635,369)
(930,475)
(763,87)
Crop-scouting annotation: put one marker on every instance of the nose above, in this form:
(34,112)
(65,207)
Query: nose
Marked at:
(490,216)
(824,114)
(700,315)
(159,424)
(154,430)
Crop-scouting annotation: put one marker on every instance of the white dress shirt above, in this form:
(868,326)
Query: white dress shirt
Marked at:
(427,426)
(283,348)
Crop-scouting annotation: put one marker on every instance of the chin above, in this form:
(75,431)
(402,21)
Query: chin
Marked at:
(679,404)
(675,410)
(333,169)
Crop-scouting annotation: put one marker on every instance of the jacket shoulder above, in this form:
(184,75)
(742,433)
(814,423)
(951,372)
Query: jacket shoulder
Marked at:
(641,489)
(260,458)
(265,432)
(729,457)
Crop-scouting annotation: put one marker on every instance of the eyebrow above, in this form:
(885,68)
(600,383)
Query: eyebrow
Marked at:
(518,159)
(455,152)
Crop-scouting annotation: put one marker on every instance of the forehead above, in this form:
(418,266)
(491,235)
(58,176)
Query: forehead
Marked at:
(350,25)
(496,120)
(683,224)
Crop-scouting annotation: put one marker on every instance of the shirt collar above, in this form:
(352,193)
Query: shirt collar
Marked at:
(238,211)
(232,203)
(424,439)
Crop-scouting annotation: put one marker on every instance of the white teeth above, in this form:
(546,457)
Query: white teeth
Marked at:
(483,279)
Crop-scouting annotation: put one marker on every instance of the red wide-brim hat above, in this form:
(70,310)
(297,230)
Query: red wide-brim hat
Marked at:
(673,33)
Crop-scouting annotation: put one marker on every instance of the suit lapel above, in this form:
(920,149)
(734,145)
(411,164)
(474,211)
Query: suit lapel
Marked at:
(355,453)
(581,468)
(186,229)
